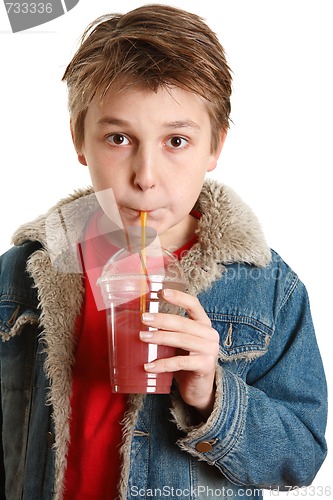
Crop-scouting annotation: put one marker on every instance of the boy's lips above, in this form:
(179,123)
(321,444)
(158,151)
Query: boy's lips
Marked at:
(135,212)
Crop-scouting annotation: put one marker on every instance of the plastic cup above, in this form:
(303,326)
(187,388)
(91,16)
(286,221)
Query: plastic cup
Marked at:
(127,293)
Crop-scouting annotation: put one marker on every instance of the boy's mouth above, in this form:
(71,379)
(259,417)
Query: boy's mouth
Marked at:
(135,212)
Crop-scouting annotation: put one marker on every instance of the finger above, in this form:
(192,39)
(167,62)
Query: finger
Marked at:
(202,365)
(172,322)
(188,302)
(185,341)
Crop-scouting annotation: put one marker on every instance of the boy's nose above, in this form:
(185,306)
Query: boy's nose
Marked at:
(144,170)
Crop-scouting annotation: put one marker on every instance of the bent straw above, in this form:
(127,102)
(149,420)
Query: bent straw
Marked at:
(144,280)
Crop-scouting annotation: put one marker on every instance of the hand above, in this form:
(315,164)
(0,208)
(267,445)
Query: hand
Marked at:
(195,369)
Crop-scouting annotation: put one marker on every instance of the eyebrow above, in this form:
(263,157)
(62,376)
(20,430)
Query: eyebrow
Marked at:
(182,124)
(109,120)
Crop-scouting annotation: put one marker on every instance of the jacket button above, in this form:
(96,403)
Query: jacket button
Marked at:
(50,439)
(203,446)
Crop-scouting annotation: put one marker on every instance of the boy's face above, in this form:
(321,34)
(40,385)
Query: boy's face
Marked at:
(153,150)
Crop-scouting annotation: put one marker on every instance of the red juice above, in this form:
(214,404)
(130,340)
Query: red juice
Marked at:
(127,293)
(128,353)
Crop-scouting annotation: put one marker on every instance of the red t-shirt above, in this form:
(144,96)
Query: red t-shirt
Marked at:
(93,464)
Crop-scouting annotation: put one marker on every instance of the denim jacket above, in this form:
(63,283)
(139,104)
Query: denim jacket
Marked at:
(268,422)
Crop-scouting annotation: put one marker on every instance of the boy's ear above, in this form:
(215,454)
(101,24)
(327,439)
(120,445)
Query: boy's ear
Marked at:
(81,159)
(80,156)
(215,156)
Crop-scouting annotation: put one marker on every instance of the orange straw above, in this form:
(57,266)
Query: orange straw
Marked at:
(143,217)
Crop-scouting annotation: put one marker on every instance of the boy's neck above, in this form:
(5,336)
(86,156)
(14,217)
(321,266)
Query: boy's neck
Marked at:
(179,236)
(171,240)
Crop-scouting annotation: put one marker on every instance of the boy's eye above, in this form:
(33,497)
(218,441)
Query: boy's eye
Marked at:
(117,139)
(177,142)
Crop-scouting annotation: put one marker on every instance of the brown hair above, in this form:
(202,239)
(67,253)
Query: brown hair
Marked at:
(151,46)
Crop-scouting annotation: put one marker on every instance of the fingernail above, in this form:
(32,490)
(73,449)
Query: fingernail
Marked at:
(146,335)
(167,292)
(147,317)
(149,366)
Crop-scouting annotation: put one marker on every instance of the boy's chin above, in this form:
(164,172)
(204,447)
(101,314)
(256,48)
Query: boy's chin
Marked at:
(131,238)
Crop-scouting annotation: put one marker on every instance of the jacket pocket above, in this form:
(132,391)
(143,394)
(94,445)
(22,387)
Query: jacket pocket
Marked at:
(13,317)
(241,337)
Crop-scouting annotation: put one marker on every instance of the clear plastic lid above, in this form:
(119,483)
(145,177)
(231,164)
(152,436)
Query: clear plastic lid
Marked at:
(153,262)
(127,276)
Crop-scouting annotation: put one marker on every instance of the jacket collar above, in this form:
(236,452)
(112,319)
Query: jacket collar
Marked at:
(228,232)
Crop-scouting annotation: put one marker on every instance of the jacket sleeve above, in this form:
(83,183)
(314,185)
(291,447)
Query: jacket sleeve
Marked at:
(268,430)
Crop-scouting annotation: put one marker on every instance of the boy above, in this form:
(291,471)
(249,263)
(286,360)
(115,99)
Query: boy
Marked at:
(149,99)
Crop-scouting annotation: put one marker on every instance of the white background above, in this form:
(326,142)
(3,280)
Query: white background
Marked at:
(278,155)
